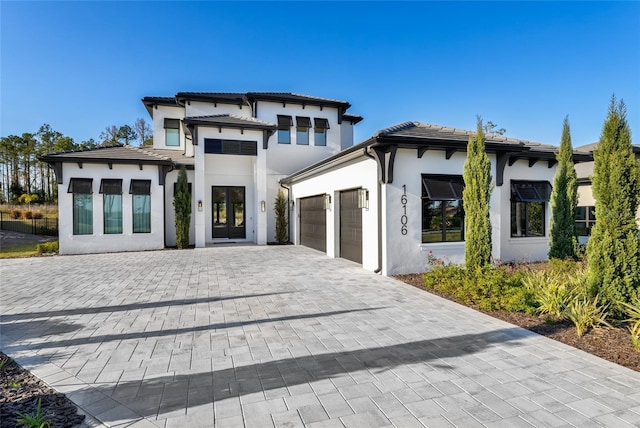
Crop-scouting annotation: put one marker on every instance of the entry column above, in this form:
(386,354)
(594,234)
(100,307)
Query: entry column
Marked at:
(199,194)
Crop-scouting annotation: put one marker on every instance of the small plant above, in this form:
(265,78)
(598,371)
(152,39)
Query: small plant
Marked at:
(280,209)
(37,215)
(586,314)
(28,215)
(433,261)
(16,214)
(3,362)
(38,420)
(633,312)
(47,247)
(14,384)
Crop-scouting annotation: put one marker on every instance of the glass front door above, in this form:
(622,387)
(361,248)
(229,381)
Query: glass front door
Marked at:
(228,212)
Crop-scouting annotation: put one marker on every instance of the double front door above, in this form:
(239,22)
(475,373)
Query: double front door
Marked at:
(228,212)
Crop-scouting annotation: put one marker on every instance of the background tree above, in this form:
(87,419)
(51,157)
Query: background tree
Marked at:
(491,128)
(109,136)
(280,208)
(476,195)
(126,135)
(564,199)
(613,249)
(144,131)
(182,207)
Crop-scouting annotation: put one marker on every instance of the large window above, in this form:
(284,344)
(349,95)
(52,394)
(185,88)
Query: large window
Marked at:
(284,129)
(442,211)
(141,205)
(320,131)
(82,189)
(585,220)
(302,130)
(528,206)
(112,205)
(172,132)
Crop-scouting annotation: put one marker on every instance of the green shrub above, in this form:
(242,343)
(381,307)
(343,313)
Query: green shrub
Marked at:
(28,214)
(36,420)
(633,312)
(47,247)
(586,313)
(549,292)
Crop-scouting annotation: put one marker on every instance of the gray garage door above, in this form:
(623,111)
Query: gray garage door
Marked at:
(313,223)
(350,226)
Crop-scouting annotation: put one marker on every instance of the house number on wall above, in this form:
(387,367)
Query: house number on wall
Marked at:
(403,219)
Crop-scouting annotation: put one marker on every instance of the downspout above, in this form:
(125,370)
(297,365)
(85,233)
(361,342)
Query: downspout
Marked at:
(379,203)
(288,213)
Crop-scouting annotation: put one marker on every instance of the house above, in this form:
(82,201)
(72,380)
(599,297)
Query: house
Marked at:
(393,200)
(586,210)
(235,147)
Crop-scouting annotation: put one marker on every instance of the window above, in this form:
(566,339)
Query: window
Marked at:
(442,211)
(112,205)
(284,129)
(141,203)
(82,189)
(585,220)
(302,130)
(230,147)
(320,131)
(528,206)
(172,132)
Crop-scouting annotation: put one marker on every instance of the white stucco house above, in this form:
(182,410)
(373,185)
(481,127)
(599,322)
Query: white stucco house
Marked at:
(235,147)
(395,198)
(385,203)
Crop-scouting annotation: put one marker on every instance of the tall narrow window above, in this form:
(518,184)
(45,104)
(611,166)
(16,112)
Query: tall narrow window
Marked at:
(172,132)
(302,130)
(528,206)
(320,131)
(585,220)
(284,129)
(82,189)
(112,205)
(442,212)
(141,203)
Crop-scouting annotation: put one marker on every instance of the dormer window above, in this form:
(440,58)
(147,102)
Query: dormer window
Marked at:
(302,130)
(172,132)
(320,131)
(284,129)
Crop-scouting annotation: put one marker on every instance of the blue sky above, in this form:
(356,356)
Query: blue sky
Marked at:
(81,66)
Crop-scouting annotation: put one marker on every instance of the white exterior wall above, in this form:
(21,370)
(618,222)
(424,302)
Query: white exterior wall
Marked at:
(99,242)
(362,173)
(200,108)
(346,134)
(520,248)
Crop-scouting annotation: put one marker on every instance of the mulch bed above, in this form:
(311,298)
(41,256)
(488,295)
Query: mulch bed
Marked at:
(613,344)
(19,394)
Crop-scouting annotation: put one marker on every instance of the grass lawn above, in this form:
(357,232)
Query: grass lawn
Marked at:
(19,250)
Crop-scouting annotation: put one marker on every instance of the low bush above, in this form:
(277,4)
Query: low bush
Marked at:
(37,215)
(16,214)
(586,313)
(633,312)
(27,214)
(47,247)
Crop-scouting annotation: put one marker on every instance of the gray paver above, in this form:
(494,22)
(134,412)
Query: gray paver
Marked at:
(284,336)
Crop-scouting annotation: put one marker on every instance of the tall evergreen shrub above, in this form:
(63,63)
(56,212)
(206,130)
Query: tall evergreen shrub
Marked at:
(476,195)
(613,249)
(564,199)
(280,209)
(182,207)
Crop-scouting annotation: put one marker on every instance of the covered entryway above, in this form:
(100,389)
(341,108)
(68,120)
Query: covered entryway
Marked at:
(228,212)
(350,226)
(313,223)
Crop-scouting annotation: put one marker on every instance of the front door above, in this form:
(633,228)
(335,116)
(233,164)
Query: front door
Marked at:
(228,212)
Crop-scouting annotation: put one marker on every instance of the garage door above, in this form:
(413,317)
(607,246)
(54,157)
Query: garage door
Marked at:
(313,223)
(350,226)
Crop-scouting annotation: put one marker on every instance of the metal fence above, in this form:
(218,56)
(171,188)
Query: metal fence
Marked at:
(34,226)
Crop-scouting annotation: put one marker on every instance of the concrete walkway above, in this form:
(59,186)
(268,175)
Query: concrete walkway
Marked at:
(284,336)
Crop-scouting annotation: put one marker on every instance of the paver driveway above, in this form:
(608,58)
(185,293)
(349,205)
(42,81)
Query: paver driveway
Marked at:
(284,336)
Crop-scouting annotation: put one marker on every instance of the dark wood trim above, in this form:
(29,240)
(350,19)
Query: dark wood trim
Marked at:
(449,152)
(421,151)
(501,162)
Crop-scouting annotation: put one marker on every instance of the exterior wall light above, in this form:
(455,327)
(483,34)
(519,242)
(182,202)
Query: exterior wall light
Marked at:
(327,202)
(263,206)
(199,205)
(363,198)
(292,204)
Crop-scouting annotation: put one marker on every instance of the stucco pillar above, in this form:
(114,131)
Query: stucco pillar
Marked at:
(261,196)
(199,193)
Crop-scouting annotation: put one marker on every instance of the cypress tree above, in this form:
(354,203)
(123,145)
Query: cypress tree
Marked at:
(476,195)
(613,249)
(280,208)
(182,207)
(564,199)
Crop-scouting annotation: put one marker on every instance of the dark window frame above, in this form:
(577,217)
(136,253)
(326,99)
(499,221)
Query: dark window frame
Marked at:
(217,146)
(303,124)
(284,129)
(588,221)
(531,193)
(456,185)
(80,187)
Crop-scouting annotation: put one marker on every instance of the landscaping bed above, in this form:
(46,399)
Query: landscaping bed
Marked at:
(19,395)
(613,344)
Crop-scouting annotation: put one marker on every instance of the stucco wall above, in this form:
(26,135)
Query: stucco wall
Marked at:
(99,242)
(159,114)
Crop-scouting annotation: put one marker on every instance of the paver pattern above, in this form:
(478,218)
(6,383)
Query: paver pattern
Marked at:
(286,337)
